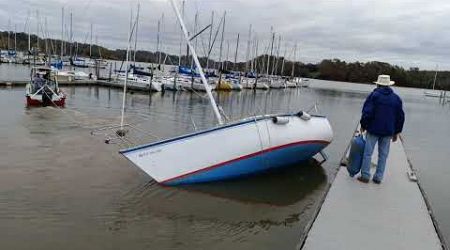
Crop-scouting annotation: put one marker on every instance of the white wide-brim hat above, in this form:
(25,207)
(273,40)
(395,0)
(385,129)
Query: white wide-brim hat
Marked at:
(384,80)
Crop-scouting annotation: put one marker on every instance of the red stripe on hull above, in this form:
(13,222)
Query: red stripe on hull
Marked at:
(37,103)
(248,156)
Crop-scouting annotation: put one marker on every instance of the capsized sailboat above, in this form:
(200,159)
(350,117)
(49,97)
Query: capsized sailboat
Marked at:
(237,149)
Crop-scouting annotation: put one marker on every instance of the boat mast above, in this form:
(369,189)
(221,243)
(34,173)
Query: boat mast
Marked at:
(181,38)
(227,57)
(210,37)
(130,33)
(252,44)
(90,43)
(62,30)
(157,43)
(236,53)
(37,30)
(284,60)
(71,36)
(9,32)
(271,51)
(27,27)
(197,63)
(293,61)
(255,63)
(247,54)
(435,75)
(15,39)
(221,40)
(46,39)
(275,64)
(136,32)
(195,32)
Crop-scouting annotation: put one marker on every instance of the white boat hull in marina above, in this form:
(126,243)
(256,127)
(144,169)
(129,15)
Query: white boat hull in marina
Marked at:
(186,83)
(141,82)
(66,76)
(291,84)
(300,82)
(249,83)
(234,150)
(434,93)
(278,84)
(169,83)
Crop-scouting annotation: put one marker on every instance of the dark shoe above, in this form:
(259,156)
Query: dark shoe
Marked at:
(376,181)
(350,172)
(363,180)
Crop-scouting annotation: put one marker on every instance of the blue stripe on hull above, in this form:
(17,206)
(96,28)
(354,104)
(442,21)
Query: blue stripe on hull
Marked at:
(260,163)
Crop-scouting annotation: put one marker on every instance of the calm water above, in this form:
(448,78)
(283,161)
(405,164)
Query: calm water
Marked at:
(62,188)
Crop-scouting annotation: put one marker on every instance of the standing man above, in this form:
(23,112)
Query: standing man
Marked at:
(383,119)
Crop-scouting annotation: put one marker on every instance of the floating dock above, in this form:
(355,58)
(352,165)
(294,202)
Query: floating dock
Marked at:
(393,215)
(104,83)
(61,83)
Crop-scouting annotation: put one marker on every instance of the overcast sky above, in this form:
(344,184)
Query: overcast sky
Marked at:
(403,32)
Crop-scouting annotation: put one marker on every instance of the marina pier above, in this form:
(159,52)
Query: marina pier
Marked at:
(393,215)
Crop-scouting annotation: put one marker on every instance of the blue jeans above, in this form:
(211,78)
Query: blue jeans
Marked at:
(384,143)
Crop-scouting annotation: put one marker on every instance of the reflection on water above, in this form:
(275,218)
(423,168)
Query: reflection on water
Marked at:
(281,188)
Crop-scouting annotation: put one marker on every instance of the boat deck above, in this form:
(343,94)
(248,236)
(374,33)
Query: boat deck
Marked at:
(393,215)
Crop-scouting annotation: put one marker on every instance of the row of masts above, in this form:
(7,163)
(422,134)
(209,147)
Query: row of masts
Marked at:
(267,63)
(42,34)
(252,64)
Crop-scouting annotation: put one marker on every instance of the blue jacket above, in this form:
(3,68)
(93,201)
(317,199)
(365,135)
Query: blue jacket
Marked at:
(382,113)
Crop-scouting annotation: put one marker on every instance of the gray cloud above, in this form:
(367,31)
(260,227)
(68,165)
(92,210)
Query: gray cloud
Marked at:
(404,32)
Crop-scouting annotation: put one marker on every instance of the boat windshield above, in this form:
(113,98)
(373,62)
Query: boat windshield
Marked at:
(42,83)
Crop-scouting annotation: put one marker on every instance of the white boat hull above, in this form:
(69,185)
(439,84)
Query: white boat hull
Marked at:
(278,84)
(169,83)
(249,83)
(433,93)
(141,81)
(239,149)
(186,83)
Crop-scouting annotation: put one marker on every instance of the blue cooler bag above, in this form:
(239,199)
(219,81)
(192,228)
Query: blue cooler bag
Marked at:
(356,155)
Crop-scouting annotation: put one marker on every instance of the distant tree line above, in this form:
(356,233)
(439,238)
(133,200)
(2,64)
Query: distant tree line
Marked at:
(329,69)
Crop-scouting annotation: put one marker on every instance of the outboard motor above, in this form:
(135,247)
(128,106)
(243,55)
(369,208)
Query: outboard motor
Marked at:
(47,95)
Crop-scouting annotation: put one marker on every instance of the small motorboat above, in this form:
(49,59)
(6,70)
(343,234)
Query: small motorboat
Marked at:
(43,89)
